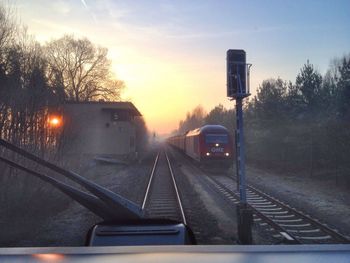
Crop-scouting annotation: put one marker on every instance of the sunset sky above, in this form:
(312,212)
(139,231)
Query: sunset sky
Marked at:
(171,54)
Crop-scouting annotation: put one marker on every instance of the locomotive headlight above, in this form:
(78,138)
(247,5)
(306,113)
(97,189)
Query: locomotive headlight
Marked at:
(208,154)
(216,144)
(227,154)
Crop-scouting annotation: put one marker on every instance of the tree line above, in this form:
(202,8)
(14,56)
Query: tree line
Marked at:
(299,127)
(36,79)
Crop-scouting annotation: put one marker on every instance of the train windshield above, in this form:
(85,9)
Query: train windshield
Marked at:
(216,138)
(146,99)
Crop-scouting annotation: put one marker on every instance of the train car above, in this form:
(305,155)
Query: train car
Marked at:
(208,145)
(178,142)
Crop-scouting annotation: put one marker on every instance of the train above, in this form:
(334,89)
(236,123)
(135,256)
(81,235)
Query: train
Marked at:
(209,144)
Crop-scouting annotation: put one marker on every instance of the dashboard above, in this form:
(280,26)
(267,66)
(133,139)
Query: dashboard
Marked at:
(193,254)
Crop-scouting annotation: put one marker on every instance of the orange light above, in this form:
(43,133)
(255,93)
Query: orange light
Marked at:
(55,121)
(49,257)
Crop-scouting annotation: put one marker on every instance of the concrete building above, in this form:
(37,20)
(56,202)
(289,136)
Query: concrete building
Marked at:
(100,128)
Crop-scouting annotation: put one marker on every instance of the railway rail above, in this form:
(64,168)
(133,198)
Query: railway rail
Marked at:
(283,222)
(162,197)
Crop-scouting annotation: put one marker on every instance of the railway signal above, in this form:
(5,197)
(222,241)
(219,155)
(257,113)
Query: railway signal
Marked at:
(238,89)
(55,121)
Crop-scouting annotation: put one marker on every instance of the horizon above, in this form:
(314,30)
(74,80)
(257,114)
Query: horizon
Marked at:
(172,56)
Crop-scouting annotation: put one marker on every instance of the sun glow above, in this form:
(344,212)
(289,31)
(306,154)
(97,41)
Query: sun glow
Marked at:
(162,91)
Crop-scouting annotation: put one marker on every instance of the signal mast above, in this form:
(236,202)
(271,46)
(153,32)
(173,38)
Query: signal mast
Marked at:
(237,89)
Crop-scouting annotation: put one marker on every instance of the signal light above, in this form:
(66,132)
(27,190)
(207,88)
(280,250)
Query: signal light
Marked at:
(237,73)
(54,121)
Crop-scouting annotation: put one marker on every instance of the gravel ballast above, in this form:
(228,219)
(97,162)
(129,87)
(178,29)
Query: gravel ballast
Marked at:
(320,198)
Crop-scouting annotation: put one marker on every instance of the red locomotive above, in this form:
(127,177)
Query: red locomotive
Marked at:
(208,144)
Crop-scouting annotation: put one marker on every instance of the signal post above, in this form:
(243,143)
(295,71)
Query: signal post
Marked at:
(238,89)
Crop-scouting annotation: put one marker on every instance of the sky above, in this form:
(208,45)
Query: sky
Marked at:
(172,54)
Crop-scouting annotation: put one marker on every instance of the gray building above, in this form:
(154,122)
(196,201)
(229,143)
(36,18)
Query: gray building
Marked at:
(100,128)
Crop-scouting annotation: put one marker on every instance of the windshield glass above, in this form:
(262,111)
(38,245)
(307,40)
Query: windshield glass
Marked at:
(216,138)
(230,117)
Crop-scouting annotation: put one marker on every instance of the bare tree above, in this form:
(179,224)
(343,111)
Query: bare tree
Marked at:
(7,35)
(193,120)
(25,95)
(8,27)
(83,68)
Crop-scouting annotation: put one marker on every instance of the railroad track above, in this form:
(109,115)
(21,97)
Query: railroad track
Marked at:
(281,221)
(162,198)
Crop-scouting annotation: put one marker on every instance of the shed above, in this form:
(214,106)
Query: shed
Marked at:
(100,128)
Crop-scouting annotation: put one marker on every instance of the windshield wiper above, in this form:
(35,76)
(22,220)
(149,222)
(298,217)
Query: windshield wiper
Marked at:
(87,200)
(103,202)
